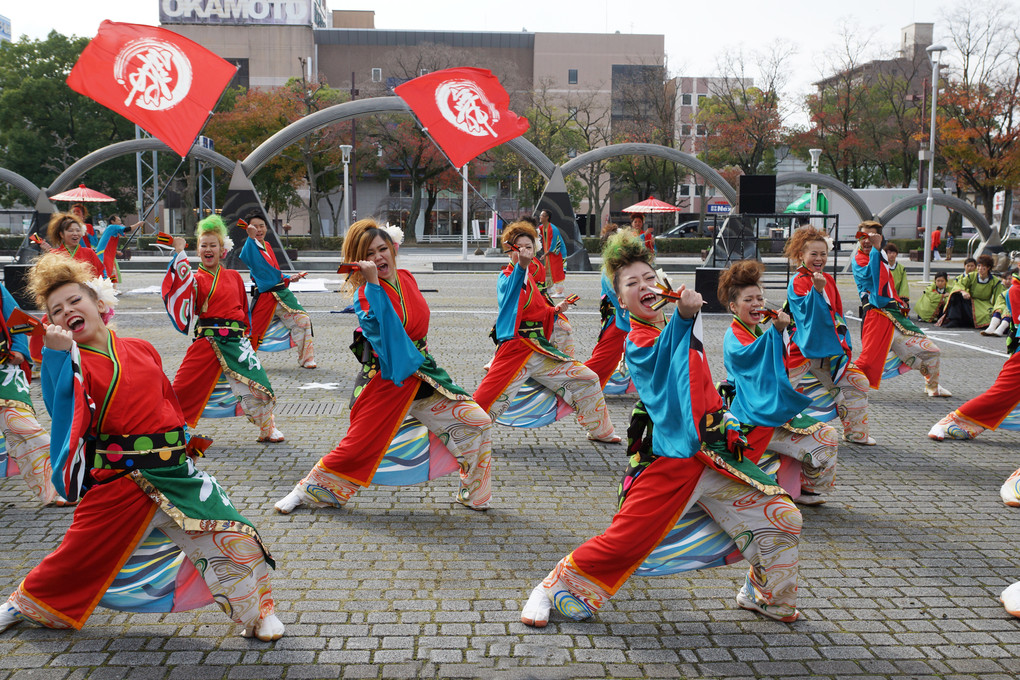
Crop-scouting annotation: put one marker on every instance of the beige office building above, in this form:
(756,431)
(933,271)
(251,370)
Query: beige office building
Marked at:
(271,41)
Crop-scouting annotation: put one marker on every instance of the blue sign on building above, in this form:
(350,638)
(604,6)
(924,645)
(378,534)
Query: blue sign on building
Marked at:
(716,208)
(5,29)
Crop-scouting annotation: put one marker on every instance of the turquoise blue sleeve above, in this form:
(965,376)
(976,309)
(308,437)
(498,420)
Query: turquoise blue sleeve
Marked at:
(508,296)
(398,357)
(108,233)
(764,395)
(622,316)
(262,273)
(816,334)
(19,342)
(561,245)
(661,374)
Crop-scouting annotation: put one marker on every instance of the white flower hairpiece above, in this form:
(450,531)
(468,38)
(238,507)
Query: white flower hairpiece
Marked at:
(228,243)
(105,291)
(396,233)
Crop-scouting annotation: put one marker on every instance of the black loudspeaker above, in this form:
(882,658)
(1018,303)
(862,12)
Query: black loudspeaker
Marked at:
(15,280)
(756,194)
(706,282)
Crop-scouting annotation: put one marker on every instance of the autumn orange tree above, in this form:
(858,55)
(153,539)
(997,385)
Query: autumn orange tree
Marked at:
(979,127)
(406,151)
(314,163)
(979,110)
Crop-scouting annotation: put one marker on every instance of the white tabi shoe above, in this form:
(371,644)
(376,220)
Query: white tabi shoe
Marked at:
(745,601)
(267,629)
(294,500)
(611,438)
(9,617)
(1010,599)
(937,391)
(274,437)
(536,610)
(949,428)
(1009,492)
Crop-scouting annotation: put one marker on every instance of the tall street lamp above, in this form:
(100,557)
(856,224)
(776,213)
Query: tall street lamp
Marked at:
(935,53)
(346,149)
(816,154)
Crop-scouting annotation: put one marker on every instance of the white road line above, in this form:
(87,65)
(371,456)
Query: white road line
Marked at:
(944,339)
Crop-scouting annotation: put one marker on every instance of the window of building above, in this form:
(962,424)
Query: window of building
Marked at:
(423,72)
(572,111)
(702,131)
(685,189)
(699,189)
(377,75)
(685,99)
(701,98)
(572,76)
(240,78)
(685,130)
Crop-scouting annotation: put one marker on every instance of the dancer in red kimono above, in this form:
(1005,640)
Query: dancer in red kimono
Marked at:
(555,251)
(217,295)
(27,443)
(821,344)
(763,396)
(65,233)
(696,457)
(120,444)
(274,299)
(997,408)
(399,378)
(608,351)
(524,326)
(108,243)
(886,329)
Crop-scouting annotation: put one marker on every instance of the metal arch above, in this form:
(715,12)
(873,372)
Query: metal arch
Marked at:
(989,236)
(67,178)
(531,153)
(659,151)
(22,184)
(855,201)
(358,108)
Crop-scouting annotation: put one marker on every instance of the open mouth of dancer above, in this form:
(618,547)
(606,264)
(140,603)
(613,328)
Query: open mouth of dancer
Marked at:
(75,323)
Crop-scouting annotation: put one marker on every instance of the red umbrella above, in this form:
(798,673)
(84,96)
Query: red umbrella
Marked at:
(83,195)
(652,205)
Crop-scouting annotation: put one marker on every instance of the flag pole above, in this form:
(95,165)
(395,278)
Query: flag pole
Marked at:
(179,165)
(467,184)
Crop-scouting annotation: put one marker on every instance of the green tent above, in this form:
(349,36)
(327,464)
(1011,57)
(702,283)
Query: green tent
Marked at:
(803,204)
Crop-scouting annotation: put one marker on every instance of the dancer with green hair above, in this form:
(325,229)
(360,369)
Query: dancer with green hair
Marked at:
(217,297)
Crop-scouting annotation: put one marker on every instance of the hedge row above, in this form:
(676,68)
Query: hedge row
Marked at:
(696,245)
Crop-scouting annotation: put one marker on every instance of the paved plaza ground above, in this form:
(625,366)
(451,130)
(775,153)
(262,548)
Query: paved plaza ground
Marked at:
(900,571)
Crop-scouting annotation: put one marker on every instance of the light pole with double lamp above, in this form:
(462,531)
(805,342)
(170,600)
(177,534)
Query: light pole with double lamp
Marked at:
(935,52)
(346,149)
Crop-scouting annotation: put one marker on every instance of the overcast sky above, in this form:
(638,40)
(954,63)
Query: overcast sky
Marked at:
(696,33)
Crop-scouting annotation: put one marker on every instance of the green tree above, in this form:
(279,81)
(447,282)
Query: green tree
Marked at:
(45,126)
(313,163)
(744,122)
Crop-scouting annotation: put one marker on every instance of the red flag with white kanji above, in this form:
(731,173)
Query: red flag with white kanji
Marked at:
(465,110)
(162,81)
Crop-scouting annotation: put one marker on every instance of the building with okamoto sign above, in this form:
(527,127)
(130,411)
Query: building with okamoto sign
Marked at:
(269,40)
(265,39)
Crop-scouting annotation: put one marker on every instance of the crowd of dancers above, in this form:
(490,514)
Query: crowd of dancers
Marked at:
(731,461)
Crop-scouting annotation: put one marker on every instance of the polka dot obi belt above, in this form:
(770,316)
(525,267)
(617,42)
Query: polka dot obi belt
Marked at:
(220,328)
(140,451)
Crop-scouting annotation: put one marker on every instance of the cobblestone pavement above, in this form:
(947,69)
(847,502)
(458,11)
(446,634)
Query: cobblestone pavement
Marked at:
(900,571)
